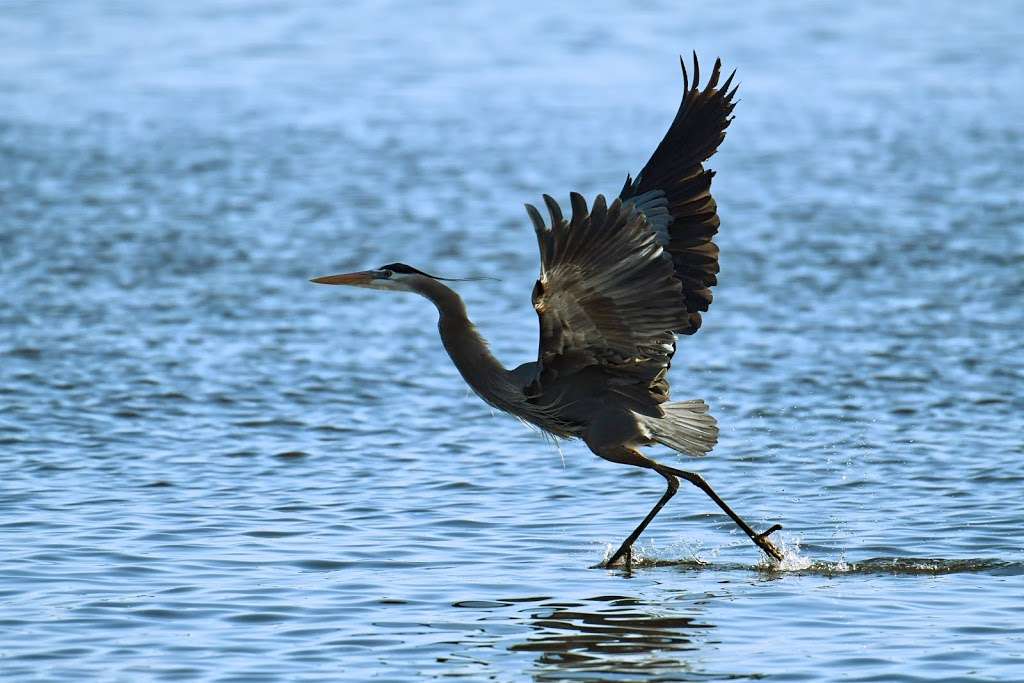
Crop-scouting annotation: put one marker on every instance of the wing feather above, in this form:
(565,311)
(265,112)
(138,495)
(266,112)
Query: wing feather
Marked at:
(618,281)
(606,299)
(674,189)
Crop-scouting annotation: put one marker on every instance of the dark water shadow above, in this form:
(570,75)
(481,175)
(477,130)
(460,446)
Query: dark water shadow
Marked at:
(904,566)
(625,638)
(615,638)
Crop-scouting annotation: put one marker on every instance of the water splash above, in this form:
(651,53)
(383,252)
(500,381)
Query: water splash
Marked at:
(916,566)
(792,560)
(645,555)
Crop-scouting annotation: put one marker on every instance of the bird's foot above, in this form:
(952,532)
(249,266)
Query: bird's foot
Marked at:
(767,546)
(625,553)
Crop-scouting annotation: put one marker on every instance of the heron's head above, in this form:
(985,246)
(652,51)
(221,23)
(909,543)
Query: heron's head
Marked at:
(395,277)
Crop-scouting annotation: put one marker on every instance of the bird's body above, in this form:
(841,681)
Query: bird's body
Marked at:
(619,280)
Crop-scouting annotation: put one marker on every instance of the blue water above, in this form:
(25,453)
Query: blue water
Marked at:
(214,470)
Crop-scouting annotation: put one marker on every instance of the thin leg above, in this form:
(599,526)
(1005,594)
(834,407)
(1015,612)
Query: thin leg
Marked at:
(760,539)
(627,546)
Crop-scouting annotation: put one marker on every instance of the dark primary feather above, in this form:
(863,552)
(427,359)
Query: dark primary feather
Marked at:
(674,190)
(618,281)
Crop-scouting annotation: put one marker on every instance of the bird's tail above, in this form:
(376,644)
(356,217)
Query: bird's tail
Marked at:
(687,427)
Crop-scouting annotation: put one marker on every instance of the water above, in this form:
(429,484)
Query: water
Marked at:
(215,470)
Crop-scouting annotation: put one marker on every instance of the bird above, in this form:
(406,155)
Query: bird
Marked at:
(619,281)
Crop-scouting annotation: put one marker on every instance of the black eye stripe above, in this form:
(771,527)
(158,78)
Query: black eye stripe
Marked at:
(404,269)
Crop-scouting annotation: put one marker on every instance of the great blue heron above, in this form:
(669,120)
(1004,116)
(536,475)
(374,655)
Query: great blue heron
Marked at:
(617,283)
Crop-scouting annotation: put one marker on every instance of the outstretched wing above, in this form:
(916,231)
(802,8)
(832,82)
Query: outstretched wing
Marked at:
(674,190)
(619,281)
(607,299)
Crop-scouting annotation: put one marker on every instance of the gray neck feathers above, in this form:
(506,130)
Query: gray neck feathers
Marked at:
(468,350)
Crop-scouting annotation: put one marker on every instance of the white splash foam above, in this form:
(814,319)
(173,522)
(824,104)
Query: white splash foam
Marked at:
(792,560)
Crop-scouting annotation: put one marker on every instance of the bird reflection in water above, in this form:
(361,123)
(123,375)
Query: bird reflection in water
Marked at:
(611,638)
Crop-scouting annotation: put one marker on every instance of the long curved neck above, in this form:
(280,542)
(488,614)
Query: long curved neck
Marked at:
(468,350)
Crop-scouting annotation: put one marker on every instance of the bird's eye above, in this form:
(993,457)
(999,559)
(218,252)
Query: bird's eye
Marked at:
(387,274)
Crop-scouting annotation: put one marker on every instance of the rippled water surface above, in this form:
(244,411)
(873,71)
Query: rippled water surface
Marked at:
(212,469)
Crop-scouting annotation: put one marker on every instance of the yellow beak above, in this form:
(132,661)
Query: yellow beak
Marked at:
(361,278)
